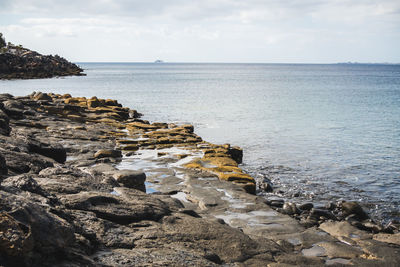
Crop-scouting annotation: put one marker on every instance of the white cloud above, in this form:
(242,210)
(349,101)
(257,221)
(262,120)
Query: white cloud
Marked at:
(256,29)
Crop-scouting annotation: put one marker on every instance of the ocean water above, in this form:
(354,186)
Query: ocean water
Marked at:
(318,132)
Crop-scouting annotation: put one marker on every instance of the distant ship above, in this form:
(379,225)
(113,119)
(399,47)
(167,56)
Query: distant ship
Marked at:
(158,61)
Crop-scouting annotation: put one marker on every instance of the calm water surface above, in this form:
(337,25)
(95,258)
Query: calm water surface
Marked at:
(319,132)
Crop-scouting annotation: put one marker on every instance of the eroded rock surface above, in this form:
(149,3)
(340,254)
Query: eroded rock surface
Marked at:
(86,182)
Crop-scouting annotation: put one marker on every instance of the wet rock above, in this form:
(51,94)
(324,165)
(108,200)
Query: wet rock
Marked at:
(323,213)
(290,208)
(104,153)
(265,185)
(131,179)
(352,207)
(369,226)
(277,203)
(330,206)
(306,206)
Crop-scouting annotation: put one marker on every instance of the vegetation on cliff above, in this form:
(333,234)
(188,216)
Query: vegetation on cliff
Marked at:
(17,62)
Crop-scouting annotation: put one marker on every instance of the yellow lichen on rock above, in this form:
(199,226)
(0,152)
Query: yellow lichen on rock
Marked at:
(129,148)
(233,176)
(226,169)
(126,142)
(220,160)
(79,101)
(140,125)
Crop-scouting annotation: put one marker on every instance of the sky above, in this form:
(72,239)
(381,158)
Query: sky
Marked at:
(259,31)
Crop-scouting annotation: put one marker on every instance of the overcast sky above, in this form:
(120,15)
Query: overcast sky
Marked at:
(271,31)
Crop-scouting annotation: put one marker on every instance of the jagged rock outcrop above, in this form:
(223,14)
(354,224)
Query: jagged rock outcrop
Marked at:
(17,62)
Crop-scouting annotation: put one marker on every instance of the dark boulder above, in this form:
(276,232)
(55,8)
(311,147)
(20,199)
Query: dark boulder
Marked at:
(306,206)
(352,207)
(131,179)
(290,208)
(236,153)
(323,213)
(53,151)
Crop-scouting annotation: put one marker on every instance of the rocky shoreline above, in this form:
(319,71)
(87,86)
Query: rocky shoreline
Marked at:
(17,62)
(86,182)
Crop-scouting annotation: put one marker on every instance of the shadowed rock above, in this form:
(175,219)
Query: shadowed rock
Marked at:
(54,151)
(4,122)
(21,162)
(3,165)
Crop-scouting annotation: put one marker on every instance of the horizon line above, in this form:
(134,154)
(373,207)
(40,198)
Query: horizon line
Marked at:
(276,63)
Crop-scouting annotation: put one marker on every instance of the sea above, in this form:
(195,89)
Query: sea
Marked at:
(317,132)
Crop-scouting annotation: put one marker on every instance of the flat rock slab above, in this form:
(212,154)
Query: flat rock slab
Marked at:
(117,209)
